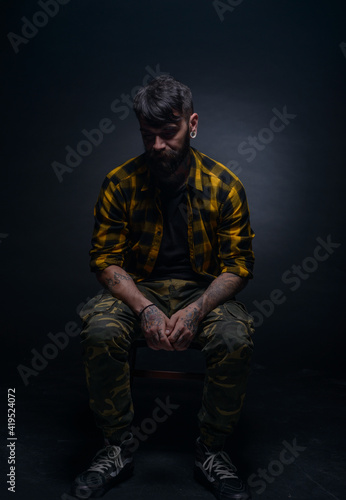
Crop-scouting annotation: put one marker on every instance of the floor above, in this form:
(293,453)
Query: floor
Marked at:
(290,443)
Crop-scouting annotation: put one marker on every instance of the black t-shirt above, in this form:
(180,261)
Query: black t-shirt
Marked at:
(173,260)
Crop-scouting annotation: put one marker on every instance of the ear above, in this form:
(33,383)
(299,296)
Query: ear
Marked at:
(193,122)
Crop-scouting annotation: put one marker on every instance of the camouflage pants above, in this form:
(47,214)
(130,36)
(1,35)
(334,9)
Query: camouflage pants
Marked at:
(109,327)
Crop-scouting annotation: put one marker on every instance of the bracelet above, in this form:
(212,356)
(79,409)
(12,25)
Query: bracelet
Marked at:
(144,308)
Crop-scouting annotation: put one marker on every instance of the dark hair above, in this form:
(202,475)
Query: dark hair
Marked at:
(163,95)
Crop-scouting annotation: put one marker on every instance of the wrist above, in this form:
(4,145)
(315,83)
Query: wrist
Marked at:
(140,305)
(144,308)
(200,306)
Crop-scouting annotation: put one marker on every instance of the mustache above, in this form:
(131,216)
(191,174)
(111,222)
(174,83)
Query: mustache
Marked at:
(161,154)
(167,161)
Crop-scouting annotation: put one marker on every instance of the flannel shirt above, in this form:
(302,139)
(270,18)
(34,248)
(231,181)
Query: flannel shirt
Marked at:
(128,220)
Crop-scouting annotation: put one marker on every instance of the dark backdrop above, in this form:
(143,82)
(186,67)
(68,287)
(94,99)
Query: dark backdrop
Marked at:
(245,65)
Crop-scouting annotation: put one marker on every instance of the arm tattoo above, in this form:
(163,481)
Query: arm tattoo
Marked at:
(191,320)
(220,290)
(117,278)
(223,288)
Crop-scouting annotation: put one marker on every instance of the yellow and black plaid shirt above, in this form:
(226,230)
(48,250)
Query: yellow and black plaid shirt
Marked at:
(129,226)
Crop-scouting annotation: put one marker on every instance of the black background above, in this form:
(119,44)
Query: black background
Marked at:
(262,55)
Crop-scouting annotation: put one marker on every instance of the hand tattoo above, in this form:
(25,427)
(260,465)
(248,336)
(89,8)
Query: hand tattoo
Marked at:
(151,317)
(152,322)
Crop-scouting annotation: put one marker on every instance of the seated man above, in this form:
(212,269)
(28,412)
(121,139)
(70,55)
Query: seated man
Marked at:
(172,245)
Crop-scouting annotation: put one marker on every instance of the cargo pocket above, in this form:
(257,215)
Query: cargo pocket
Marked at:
(238,311)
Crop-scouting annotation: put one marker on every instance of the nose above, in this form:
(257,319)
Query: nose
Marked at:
(159,144)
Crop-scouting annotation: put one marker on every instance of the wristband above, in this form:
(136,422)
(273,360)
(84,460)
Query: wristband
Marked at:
(144,308)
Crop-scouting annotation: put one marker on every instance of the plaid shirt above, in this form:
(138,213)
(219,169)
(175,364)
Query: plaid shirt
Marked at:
(129,227)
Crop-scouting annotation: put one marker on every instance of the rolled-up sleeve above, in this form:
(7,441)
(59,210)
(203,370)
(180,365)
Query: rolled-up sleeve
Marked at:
(110,235)
(235,234)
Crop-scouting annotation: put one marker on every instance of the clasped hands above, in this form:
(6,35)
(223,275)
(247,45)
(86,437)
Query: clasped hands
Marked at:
(170,334)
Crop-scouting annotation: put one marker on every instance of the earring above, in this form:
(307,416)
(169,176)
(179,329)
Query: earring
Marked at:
(193,134)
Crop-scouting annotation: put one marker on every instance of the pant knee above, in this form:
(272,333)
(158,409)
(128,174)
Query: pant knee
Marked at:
(234,328)
(104,317)
(237,339)
(105,339)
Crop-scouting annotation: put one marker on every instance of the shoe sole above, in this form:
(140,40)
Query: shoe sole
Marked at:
(200,477)
(100,492)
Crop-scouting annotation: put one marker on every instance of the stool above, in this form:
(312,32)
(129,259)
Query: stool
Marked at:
(162,374)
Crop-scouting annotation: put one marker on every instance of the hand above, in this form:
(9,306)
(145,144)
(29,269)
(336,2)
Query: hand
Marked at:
(154,325)
(183,326)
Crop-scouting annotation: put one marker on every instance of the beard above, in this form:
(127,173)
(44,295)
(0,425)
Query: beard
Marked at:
(164,164)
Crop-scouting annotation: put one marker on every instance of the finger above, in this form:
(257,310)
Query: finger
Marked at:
(175,324)
(167,348)
(180,345)
(165,344)
(152,336)
(183,341)
(170,324)
(151,344)
(180,348)
(175,334)
(162,340)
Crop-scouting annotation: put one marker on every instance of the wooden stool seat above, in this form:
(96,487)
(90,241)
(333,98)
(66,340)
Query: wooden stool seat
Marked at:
(161,374)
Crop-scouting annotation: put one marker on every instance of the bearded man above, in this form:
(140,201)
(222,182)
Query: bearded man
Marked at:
(172,246)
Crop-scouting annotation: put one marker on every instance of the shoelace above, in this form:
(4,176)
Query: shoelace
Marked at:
(221,464)
(101,464)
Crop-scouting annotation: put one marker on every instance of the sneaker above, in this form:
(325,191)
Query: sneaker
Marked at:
(110,466)
(215,470)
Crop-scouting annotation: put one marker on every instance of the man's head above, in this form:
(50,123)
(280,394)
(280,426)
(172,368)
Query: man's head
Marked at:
(164,109)
(155,102)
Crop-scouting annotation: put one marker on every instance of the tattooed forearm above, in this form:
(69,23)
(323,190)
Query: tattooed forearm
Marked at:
(226,286)
(192,319)
(116,279)
(223,288)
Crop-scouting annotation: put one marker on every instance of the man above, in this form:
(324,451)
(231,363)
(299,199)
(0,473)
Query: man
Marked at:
(172,247)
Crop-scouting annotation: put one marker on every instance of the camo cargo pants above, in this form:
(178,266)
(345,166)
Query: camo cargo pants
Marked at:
(109,328)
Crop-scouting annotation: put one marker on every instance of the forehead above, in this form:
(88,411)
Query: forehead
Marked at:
(145,125)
